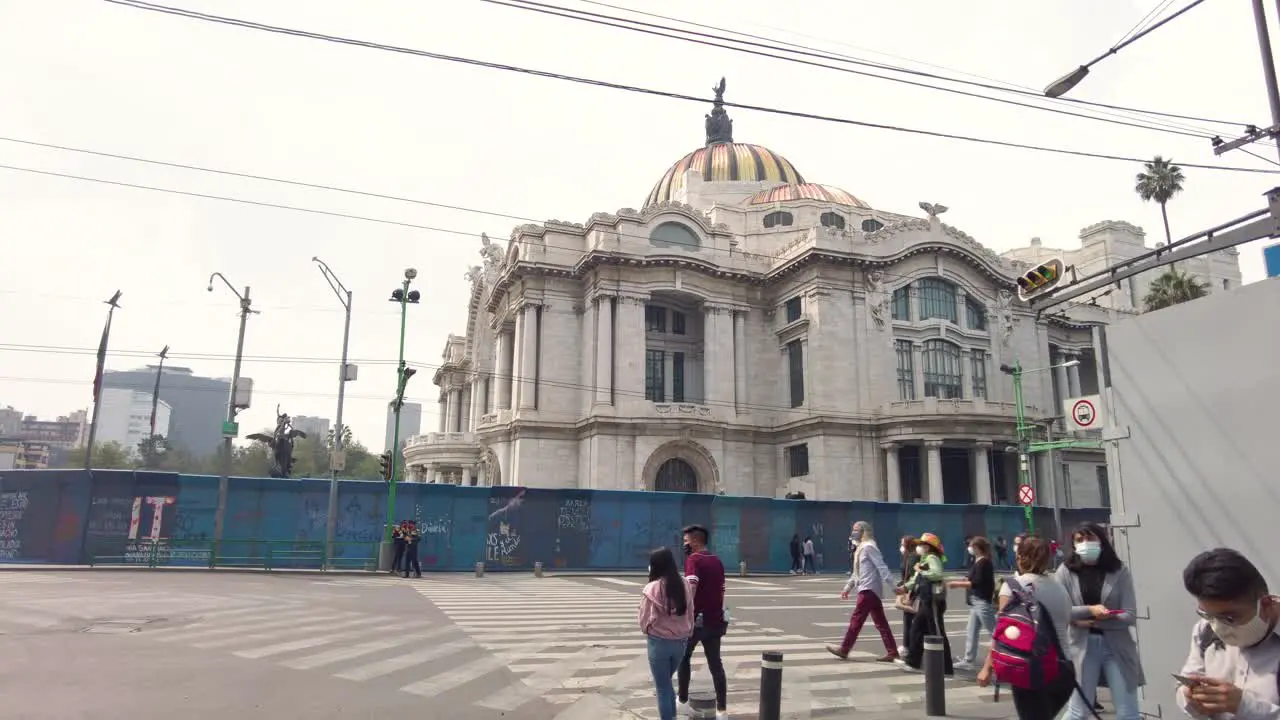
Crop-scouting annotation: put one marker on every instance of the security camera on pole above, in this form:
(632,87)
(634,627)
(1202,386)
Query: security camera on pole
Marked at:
(405,297)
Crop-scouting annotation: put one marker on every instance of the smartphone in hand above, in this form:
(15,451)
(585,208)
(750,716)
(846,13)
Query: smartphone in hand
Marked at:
(1187,681)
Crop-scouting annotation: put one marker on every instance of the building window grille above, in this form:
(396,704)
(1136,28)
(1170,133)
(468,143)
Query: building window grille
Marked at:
(677,377)
(871,226)
(677,323)
(937,299)
(797,460)
(832,220)
(906,369)
(655,319)
(779,218)
(795,360)
(793,309)
(941,370)
(976,314)
(654,376)
(978,371)
(901,307)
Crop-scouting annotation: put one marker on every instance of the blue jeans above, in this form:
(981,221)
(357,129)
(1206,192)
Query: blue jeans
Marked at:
(982,614)
(664,659)
(1124,696)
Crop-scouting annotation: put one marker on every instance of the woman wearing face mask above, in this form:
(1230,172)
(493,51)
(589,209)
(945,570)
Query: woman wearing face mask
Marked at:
(666,619)
(1102,612)
(926,585)
(907,553)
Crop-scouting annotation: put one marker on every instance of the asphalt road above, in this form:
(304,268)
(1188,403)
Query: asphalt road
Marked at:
(146,644)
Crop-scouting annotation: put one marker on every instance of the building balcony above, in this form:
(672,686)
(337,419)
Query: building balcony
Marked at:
(937,406)
(434,448)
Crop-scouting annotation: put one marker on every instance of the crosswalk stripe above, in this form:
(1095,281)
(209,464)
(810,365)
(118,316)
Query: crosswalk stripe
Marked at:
(404,662)
(360,628)
(617,581)
(352,652)
(433,686)
(272,620)
(542,679)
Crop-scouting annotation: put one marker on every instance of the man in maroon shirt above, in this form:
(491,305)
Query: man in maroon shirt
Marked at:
(706,572)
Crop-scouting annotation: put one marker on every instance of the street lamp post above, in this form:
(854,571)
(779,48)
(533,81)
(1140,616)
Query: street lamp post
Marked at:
(1023,429)
(114,303)
(155,394)
(229,429)
(331,521)
(405,297)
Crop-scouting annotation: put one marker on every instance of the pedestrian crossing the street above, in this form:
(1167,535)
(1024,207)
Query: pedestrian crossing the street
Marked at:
(574,643)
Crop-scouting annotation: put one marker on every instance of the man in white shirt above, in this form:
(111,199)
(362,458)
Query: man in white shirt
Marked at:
(1231,667)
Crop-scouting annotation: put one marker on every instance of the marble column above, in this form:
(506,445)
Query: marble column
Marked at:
(629,336)
(893,475)
(933,449)
(1073,376)
(444,410)
(529,369)
(982,473)
(740,362)
(1063,384)
(451,412)
(475,402)
(480,476)
(464,408)
(961,315)
(469,475)
(433,473)
(604,307)
(717,360)
(517,357)
(502,383)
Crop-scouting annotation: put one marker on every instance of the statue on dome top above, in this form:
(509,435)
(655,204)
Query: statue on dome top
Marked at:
(719,125)
(491,253)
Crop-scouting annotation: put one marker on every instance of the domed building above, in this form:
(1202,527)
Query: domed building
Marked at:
(750,332)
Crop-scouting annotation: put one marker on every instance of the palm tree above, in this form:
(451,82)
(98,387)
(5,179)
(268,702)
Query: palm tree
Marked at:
(1171,288)
(1159,182)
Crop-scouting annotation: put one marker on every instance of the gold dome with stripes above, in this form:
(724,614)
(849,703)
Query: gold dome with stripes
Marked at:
(726,162)
(806,191)
(723,160)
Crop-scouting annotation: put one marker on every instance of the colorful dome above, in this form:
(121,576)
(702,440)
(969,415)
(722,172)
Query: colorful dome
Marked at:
(806,191)
(726,162)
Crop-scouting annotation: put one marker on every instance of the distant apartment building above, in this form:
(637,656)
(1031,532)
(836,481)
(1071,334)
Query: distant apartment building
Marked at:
(10,422)
(19,454)
(65,432)
(410,422)
(125,417)
(197,405)
(316,428)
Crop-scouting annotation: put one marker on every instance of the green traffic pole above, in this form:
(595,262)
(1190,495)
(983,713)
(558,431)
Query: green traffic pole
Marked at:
(1023,460)
(395,433)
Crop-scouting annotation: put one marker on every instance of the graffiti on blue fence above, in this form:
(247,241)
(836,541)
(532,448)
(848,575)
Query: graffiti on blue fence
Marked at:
(148,517)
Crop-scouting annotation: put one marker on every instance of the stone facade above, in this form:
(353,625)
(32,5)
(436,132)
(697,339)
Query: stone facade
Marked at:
(743,337)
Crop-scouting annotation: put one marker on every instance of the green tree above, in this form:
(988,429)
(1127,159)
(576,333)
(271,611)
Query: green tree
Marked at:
(1159,182)
(347,438)
(253,460)
(151,452)
(106,456)
(1173,287)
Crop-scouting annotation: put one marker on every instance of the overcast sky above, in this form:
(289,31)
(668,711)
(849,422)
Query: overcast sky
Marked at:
(88,74)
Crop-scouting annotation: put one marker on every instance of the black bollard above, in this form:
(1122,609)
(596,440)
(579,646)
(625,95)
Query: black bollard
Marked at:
(770,686)
(935,699)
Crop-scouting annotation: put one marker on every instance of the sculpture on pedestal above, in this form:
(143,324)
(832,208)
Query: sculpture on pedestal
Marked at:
(281,444)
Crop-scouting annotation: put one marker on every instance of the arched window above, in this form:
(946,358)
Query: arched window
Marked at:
(673,234)
(676,475)
(976,315)
(832,220)
(871,226)
(937,299)
(777,218)
(941,362)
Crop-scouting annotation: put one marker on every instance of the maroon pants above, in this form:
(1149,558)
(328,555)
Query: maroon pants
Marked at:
(868,603)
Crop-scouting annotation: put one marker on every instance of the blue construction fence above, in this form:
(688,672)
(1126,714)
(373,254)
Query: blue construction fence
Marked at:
(73,517)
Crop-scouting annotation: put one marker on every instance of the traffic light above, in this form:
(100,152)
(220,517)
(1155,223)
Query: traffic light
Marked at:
(1041,279)
(387,467)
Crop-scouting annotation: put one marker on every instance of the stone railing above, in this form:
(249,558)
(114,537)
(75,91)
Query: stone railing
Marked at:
(439,438)
(936,406)
(682,409)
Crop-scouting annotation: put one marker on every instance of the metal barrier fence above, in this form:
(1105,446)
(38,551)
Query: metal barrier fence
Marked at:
(250,554)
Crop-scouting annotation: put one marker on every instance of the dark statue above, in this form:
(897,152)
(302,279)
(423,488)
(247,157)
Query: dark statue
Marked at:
(281,444)
(719,125)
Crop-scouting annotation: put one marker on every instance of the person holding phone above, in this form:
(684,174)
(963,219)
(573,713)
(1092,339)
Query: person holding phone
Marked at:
(1231,667)
(1102,611)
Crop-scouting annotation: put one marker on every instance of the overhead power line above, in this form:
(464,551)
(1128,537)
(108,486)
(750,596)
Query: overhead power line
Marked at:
(1007,87)
(137,4)
(653,29)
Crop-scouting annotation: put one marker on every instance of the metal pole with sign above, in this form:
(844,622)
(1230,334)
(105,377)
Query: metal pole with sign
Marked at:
(230,428)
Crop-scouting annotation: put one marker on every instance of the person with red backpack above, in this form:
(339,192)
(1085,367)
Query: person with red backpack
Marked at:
(1026,648)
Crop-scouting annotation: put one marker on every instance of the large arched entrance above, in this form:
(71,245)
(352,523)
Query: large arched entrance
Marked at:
(681,466)
(676,475)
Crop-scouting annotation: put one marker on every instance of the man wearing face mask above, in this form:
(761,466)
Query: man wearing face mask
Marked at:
(1231,668)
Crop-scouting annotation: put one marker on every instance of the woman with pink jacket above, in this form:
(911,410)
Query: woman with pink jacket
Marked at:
(666,617)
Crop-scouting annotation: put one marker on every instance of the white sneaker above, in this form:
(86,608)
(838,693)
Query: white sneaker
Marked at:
(962,665)
(682,708)
(902,650)
(722,715)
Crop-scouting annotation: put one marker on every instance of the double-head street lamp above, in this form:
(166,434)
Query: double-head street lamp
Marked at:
(113,303)
(1023,429)
(405,297)
(337,459)
(229,428)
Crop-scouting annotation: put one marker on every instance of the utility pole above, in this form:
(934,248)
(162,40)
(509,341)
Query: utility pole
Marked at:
(1023,434)
(229,429)
(114,303)
(336,457)
(155,394)
(404,296)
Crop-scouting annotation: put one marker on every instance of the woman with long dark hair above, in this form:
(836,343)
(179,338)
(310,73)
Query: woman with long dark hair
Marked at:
(666,618)
(930,596)
(907,549)
(1102,611)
